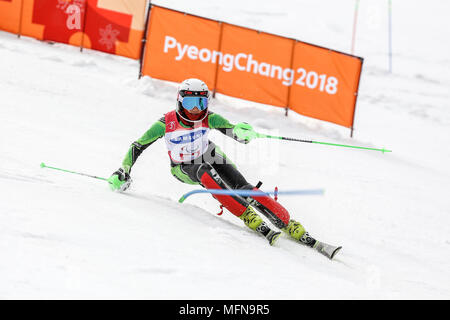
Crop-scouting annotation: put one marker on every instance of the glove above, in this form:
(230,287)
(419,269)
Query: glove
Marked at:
(119,180)
(244,131)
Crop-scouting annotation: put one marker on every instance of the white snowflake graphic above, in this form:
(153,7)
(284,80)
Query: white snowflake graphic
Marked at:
(108,36)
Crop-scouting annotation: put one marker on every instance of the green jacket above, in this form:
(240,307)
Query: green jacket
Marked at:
(158,130)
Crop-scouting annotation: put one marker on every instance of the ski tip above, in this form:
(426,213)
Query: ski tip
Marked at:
(274,238)
(42,165)
(335,252)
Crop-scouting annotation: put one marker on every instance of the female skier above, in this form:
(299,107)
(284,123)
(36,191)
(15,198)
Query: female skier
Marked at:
(196,160)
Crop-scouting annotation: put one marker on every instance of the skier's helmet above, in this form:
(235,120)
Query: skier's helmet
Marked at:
(192,100)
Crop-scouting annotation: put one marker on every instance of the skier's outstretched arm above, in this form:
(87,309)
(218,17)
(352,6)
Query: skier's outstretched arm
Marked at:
(120,179)
(235,132)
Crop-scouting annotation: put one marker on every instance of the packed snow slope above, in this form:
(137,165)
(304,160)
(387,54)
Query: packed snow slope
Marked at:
(67,236)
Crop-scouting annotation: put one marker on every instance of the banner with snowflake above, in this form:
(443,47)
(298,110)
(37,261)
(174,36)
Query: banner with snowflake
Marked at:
(115,26)
(54,20)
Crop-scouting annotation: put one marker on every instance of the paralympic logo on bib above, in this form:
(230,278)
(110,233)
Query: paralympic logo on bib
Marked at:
(188,138)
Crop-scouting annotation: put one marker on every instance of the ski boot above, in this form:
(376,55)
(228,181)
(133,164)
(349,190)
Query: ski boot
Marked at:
(298,232)
(255,222)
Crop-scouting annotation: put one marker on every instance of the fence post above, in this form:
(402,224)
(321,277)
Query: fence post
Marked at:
(356,98)
(84,24)
(144,39)
(217,62)
(20,19)
(289,88)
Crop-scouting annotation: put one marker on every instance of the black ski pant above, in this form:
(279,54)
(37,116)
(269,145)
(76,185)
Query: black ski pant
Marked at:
(215,171)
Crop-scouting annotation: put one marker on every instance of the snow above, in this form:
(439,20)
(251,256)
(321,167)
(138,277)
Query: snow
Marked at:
(66,236)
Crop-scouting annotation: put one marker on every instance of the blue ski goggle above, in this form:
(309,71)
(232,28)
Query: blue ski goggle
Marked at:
(190,103)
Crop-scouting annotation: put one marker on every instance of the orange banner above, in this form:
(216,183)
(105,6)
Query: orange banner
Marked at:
(254,65)
(181,46)
(244,63)
(10,15)
(115,26)
(325,84)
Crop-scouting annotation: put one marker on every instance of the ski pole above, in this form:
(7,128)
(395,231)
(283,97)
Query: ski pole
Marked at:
(260,135)
(252,193)
(43,165)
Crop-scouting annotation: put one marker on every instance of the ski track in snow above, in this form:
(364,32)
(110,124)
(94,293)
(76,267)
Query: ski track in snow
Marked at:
(66,236)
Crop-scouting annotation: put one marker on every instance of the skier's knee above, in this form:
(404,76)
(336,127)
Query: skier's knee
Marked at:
(204,168)
(247,186)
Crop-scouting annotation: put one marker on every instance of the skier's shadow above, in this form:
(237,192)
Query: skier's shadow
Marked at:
(198,214)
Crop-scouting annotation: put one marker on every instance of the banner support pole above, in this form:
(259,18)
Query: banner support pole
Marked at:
(144,39)
(356,98)
(217,62)
(289,88)
(20,19)
(84,24)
